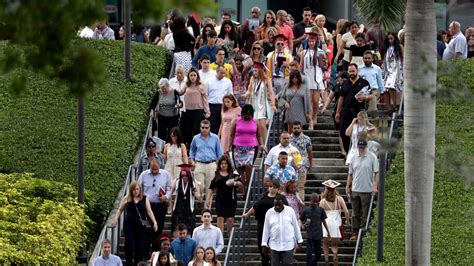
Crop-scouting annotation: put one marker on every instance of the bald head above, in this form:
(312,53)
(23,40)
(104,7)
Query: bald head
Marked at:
(154,167)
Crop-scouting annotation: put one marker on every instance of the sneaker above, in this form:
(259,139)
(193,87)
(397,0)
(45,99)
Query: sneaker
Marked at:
(353,237)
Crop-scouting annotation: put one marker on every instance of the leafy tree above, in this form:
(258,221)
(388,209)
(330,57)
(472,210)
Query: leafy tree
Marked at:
(47,30)
(388,12)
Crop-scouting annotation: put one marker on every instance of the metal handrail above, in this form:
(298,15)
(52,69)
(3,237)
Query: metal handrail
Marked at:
(115,231)
(236,233)
(361,230)
(393,127)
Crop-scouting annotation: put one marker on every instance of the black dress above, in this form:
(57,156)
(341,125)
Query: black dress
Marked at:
(136,236)
(226,196)
(182,212)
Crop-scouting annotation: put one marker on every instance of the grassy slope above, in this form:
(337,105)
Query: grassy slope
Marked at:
(38,129)
(452,226)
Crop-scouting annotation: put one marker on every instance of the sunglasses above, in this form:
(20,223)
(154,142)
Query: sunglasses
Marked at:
(257,48)
(280,44)
(204,127)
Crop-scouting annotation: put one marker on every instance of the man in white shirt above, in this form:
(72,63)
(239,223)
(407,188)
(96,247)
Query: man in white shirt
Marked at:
(457,46)
(284,145)
(103,31)
(178,83)
(205,73)
(280,233)
(217,87)
(208,235)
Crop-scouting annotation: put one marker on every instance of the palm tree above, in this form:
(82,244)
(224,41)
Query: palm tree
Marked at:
(388,12)
(419,116)
(419,139)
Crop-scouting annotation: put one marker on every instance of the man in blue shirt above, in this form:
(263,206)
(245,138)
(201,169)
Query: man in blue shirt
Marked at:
(156,185)
(183,247)
(373,74)
(107,259)
(204,152)
(210,49)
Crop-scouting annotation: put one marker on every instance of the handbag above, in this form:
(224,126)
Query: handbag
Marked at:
(144,222)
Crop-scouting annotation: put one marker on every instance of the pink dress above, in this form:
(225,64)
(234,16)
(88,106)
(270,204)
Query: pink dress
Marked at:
(227,118)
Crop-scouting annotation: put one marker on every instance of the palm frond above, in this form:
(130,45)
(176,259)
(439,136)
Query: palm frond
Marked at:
(388,12)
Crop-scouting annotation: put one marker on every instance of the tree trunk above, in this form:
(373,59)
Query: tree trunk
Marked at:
(419,128)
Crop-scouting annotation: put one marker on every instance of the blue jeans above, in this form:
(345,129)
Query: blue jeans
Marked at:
(313,246)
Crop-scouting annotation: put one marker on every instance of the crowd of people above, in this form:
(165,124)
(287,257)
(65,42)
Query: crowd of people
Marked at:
(211,119)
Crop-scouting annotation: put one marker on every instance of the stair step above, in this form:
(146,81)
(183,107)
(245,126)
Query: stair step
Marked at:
(325,140)
(325,147)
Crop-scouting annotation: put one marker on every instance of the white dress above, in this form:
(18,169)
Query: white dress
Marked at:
(392,70)
(334,219)
(173,159)
(312,71)
(260,101)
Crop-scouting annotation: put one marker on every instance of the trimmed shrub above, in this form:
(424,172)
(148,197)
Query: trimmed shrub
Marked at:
(39,128)
(40,221)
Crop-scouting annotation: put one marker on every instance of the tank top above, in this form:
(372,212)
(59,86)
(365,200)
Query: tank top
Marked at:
(246,133)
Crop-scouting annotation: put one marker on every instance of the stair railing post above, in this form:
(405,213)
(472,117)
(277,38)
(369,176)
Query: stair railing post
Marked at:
(381,206)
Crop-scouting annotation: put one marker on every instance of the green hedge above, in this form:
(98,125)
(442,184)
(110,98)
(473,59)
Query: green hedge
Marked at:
(41,222)
(39,134)
(453,197)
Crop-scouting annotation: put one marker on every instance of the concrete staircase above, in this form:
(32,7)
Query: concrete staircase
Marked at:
(326,165)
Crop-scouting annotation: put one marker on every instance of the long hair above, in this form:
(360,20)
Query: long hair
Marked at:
(396,45)
(195,254)
(198,79)
(133,185)
(204,35)
(230,169)
(232,99)
(232,34)
(297,74)
(329,194)
(253,55)
(163,254)
(214,259)
(273,23)
(340,26)
(179,137)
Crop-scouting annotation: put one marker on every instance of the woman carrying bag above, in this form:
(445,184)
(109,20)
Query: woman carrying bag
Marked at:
(138,221)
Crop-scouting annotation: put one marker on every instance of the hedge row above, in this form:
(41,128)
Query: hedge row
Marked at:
(40,221)
(453,198)
(39,134)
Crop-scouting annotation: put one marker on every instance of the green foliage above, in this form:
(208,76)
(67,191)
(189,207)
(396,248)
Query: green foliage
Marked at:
(47,44)
(156,9)
(453,195)
(40,221)
(39,133)
(388,12)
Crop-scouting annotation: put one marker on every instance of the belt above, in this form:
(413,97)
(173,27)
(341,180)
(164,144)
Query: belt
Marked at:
(277,77)
(215,104)
(206,162)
